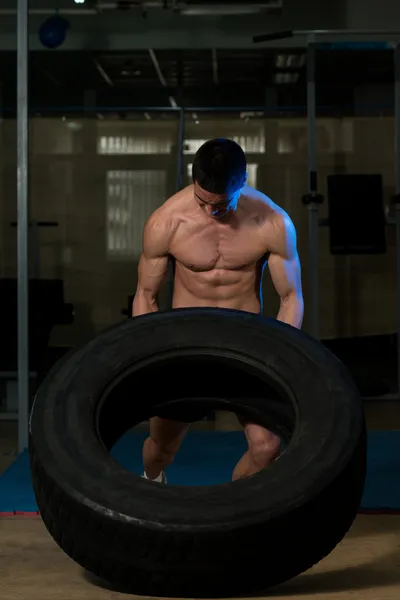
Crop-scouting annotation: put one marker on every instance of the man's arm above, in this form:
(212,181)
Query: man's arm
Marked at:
(153,264)
(284,267)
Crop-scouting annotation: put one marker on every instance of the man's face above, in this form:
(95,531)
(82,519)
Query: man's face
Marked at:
(216,206)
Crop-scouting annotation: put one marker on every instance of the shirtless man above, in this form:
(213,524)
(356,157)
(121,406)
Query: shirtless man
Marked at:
(221,233)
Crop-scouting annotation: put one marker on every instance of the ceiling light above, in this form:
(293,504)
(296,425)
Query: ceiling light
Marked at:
(286,77)
(290,61)
(73,126)
(247,114)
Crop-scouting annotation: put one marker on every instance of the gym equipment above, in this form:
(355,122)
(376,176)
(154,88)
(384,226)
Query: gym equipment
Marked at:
(46,309)
(360,198)
(53,31)
(35,227)
(153,539)
(313,200)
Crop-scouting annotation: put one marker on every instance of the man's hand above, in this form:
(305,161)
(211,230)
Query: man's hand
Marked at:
(284,267)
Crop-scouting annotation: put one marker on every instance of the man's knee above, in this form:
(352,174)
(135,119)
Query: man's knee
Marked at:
(265,448)
(160,451)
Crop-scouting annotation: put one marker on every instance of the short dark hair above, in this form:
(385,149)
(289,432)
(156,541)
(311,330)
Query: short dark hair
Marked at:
(219,166)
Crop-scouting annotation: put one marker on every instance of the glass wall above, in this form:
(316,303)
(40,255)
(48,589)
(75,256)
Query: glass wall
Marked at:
(353,287)
(98,178)
(95,179)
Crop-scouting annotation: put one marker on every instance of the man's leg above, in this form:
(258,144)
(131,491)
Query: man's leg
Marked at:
(264,448)
(161,446)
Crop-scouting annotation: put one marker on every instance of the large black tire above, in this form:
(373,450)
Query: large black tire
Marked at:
(230,539)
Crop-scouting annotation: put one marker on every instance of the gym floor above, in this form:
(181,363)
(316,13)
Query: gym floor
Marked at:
(365,564)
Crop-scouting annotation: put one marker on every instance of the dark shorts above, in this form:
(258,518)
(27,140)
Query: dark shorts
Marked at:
(182,414)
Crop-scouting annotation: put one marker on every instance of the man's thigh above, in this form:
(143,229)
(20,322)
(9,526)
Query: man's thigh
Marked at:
(167,434)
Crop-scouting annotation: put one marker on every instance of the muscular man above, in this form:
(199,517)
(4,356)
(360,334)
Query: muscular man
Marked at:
(221,233)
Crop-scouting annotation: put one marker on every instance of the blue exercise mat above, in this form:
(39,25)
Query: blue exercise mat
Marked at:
(207,458)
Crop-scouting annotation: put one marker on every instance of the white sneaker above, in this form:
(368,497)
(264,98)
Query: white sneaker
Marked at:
(160,479)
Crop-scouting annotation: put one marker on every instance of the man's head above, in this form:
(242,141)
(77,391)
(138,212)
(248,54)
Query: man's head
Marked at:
(219,174)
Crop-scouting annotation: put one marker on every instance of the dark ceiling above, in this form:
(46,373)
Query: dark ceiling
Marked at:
(192,78)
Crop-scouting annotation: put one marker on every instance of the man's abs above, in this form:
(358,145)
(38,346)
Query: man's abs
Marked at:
(239,290)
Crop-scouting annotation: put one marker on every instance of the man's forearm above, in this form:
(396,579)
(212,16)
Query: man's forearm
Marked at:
(144,303)
(292,311)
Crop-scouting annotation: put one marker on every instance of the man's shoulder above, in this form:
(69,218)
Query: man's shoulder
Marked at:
(274,224)
(263,206)
(164,220)
(173,204)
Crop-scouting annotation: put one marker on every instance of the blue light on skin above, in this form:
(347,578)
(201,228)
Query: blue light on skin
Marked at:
(221,205)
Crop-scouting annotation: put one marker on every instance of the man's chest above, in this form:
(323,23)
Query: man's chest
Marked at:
(216,246)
